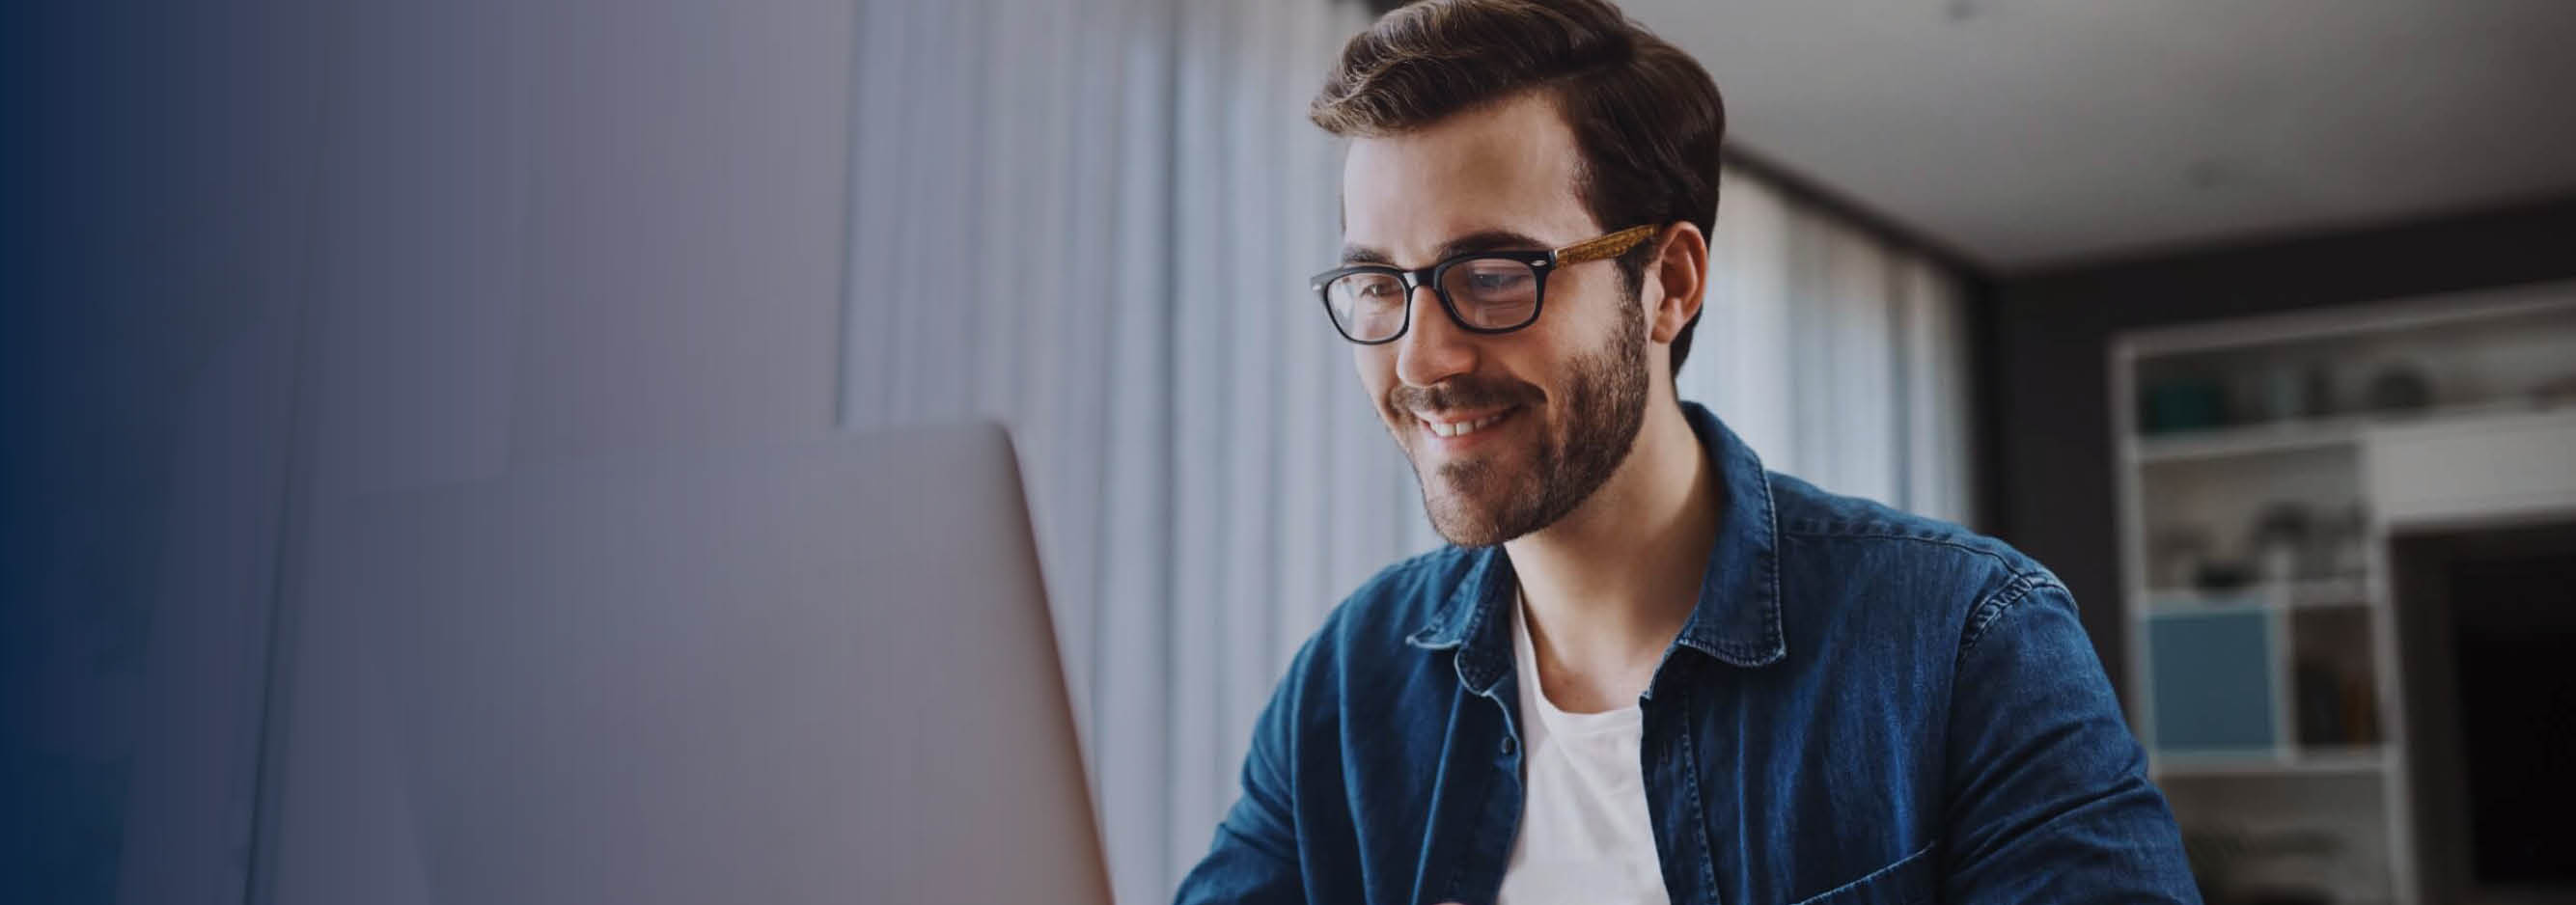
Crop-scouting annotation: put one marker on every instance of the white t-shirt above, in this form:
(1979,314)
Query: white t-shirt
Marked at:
(1585,835)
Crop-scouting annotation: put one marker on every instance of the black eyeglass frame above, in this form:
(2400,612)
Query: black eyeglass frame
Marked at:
(1541,263)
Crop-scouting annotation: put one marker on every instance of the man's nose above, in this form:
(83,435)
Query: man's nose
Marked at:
(1433,348)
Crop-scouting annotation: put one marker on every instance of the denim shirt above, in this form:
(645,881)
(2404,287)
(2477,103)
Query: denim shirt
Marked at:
(1864,706)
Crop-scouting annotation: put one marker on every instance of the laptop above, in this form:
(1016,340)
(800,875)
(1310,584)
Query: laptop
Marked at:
(816,672)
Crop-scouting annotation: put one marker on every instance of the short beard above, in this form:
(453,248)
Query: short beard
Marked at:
(1604,406)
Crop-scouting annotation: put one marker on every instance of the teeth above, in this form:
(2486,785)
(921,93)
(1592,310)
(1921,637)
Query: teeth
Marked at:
(1462,428)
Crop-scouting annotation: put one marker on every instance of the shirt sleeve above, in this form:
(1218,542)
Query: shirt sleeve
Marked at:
(2048,793)
(1254,858)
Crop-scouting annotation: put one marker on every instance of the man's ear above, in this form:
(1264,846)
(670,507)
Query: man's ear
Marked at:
(1679,268)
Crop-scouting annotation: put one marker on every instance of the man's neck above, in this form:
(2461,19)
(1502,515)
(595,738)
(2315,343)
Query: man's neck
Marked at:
(1609,586)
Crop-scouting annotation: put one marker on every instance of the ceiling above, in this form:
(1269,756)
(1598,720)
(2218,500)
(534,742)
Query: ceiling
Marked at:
(2025,134)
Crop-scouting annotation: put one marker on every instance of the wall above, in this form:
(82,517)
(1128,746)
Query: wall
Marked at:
(149,316)
(546,232)
(282,253)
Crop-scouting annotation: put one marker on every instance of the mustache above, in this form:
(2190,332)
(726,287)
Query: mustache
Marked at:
(1463,393)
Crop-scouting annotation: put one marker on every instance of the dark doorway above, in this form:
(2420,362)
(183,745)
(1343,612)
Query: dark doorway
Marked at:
(2488,638)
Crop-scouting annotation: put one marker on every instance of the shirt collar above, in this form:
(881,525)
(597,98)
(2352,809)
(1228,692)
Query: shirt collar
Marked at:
(1737,618)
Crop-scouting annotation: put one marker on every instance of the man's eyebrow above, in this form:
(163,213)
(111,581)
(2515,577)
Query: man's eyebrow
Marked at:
(1471,243)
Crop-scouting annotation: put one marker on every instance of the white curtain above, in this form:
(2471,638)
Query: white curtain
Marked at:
(1841,357)
(1092,220)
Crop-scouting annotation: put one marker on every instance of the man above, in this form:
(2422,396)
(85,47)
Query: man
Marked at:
(1645,670)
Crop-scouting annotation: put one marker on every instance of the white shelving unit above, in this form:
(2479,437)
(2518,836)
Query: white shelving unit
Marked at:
(2263,669)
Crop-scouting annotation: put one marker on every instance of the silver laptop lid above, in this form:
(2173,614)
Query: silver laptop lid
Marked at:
(818,673)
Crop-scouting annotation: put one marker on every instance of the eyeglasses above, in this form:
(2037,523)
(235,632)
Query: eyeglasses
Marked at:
(1485,292)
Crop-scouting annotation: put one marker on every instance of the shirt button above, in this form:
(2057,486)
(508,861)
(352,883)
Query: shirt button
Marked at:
(1509,745)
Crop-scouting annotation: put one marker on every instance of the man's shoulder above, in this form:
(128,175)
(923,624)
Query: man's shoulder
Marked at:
(1851,555)
(1807,512)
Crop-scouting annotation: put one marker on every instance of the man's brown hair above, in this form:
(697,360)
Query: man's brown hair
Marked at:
(1646,118)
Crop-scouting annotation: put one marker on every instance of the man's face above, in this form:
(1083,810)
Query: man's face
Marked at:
(1559,402)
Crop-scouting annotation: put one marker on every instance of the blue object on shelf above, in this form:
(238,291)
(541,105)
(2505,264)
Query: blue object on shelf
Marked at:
(2181,405)
(2212,679)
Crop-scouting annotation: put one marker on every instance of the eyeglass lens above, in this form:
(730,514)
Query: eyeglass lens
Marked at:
(1487,293)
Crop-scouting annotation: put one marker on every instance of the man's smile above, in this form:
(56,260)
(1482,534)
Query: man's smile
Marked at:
(1451,431)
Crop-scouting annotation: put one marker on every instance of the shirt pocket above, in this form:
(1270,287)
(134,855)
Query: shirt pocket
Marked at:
(1908,880)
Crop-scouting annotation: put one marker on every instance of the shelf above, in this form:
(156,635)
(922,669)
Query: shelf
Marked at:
(2280,436)
(2318,761)
(2298,435)
(2295,446)
(2311,593)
